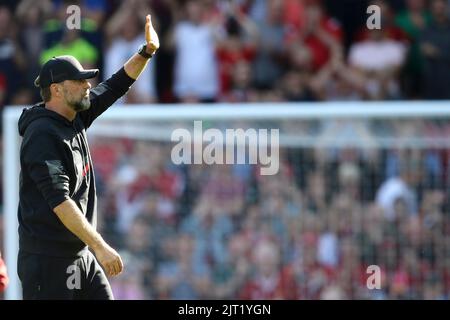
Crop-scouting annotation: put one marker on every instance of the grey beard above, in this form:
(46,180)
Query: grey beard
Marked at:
(81,105)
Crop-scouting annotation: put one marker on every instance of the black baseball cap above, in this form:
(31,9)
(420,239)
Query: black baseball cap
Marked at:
(62,68)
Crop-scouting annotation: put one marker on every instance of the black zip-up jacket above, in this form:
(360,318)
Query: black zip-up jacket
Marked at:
(56,165)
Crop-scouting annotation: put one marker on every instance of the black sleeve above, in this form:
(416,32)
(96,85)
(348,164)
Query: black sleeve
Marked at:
(105,94)
(43,157)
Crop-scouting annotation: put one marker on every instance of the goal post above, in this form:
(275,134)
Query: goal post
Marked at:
(11,169)
(190,112)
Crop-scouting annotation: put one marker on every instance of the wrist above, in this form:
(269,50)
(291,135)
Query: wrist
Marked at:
(97,244)
(144,52)
(149,50)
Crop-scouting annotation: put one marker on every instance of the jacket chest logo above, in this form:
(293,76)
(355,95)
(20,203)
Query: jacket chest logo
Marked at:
(86,169)
(81,165)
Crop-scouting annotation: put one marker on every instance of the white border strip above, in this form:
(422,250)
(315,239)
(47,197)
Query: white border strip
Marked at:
(11,199)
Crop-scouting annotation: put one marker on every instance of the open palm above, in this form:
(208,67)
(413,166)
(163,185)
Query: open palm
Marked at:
(151,37)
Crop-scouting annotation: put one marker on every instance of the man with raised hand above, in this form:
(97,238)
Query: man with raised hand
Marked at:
(58,204)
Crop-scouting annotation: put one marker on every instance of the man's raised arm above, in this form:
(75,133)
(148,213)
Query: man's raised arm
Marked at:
(136,64)
(107,92)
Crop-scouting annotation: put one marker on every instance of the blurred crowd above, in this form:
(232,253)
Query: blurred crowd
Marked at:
(224,231)
(237,50)
(309,232)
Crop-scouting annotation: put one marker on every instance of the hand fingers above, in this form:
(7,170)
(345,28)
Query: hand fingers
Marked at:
(110,269)
(115,267)
(107,268)
(112,272)
(120,263)
(151,36)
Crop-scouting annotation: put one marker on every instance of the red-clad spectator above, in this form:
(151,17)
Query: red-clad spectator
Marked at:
(268,282)
(106,152)
(3,87)
(294,13)
(165,182)
(3,275)
(320,33)
(237,46)
(240,87)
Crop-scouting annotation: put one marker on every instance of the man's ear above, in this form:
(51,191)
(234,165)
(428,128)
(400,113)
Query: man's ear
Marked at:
(56,89)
